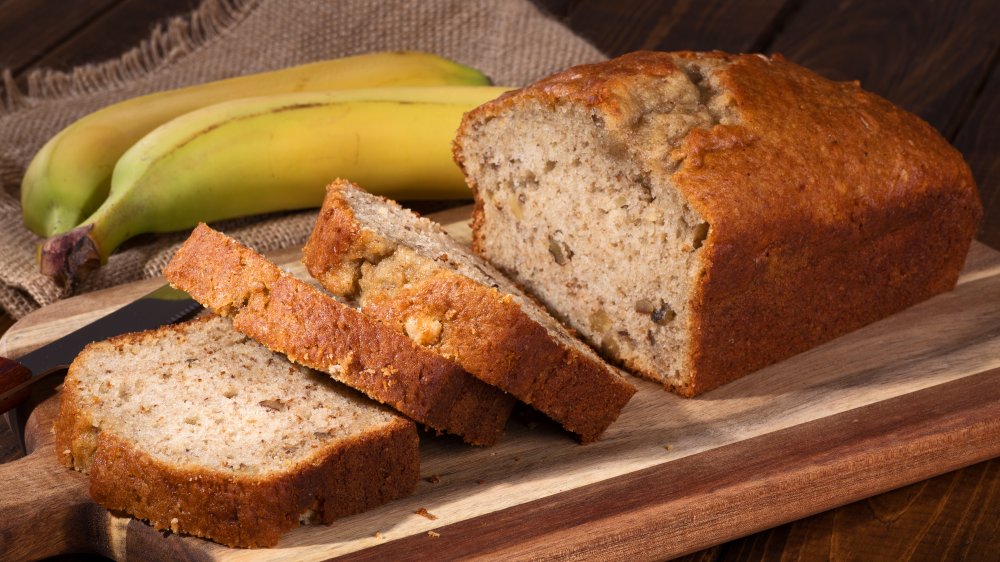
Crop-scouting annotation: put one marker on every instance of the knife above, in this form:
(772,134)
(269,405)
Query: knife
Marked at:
(20,379)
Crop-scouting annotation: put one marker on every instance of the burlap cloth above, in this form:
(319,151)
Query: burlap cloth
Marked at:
(512,41)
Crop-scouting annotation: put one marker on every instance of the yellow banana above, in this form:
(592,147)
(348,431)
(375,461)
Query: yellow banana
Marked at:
(258,155)
(70,175)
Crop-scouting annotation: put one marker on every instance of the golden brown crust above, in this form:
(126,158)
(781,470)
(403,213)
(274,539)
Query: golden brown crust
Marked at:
(312,329)
(75,435)
(235,510)
(344,243)
(485,330)
(491,337)
(877,218)
(346,477)
(603,86)
(829,207)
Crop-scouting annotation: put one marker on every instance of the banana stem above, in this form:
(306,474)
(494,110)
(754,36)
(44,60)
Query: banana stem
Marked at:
(70,256)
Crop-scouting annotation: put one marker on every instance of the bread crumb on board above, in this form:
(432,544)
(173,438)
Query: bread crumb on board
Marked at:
(433,535)
(424,513)
(433,478)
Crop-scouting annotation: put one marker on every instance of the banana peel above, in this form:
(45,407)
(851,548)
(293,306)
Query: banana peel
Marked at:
(70,176)
(273,153)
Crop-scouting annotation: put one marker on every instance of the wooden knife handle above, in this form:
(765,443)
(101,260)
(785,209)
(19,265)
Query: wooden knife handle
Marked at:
(12,374)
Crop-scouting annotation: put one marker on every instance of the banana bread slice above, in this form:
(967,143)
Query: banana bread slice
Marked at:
(698,216)
(313,329)
(198,429)
(407,272)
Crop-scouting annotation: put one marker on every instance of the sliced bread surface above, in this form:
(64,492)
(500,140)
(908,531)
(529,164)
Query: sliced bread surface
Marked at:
(313,329)
(407,272)
(198,429)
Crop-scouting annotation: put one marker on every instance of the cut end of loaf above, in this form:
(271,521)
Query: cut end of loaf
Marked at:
(569,196)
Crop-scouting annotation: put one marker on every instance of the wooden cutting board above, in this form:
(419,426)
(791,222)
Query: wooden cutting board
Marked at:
(907,398)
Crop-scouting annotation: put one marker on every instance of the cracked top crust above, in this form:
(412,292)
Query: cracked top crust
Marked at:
(775,151)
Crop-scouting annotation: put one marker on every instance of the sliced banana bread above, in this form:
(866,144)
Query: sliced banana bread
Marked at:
(313,329)
(701,215)
(198,429)
(407,272)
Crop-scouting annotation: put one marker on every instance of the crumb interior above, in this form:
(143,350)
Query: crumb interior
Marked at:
(580,209)
(205,395)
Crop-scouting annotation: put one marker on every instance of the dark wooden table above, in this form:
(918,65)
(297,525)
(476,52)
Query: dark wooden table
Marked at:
(938,59)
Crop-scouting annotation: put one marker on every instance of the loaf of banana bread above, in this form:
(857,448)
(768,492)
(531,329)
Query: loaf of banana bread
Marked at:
(698,216)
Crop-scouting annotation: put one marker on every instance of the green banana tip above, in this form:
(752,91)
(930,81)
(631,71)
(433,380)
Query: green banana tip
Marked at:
(69,257)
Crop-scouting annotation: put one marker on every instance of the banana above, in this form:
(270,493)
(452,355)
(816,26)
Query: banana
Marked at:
(265,154)
(69,177)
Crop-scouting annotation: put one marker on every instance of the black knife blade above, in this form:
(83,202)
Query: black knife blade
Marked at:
(165,305)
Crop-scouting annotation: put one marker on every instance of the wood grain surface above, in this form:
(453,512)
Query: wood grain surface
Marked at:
(631,25)
(21,45)
(61,35)
(92,38)
(904,399)
(924,56)
(949,517)
(979,141)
